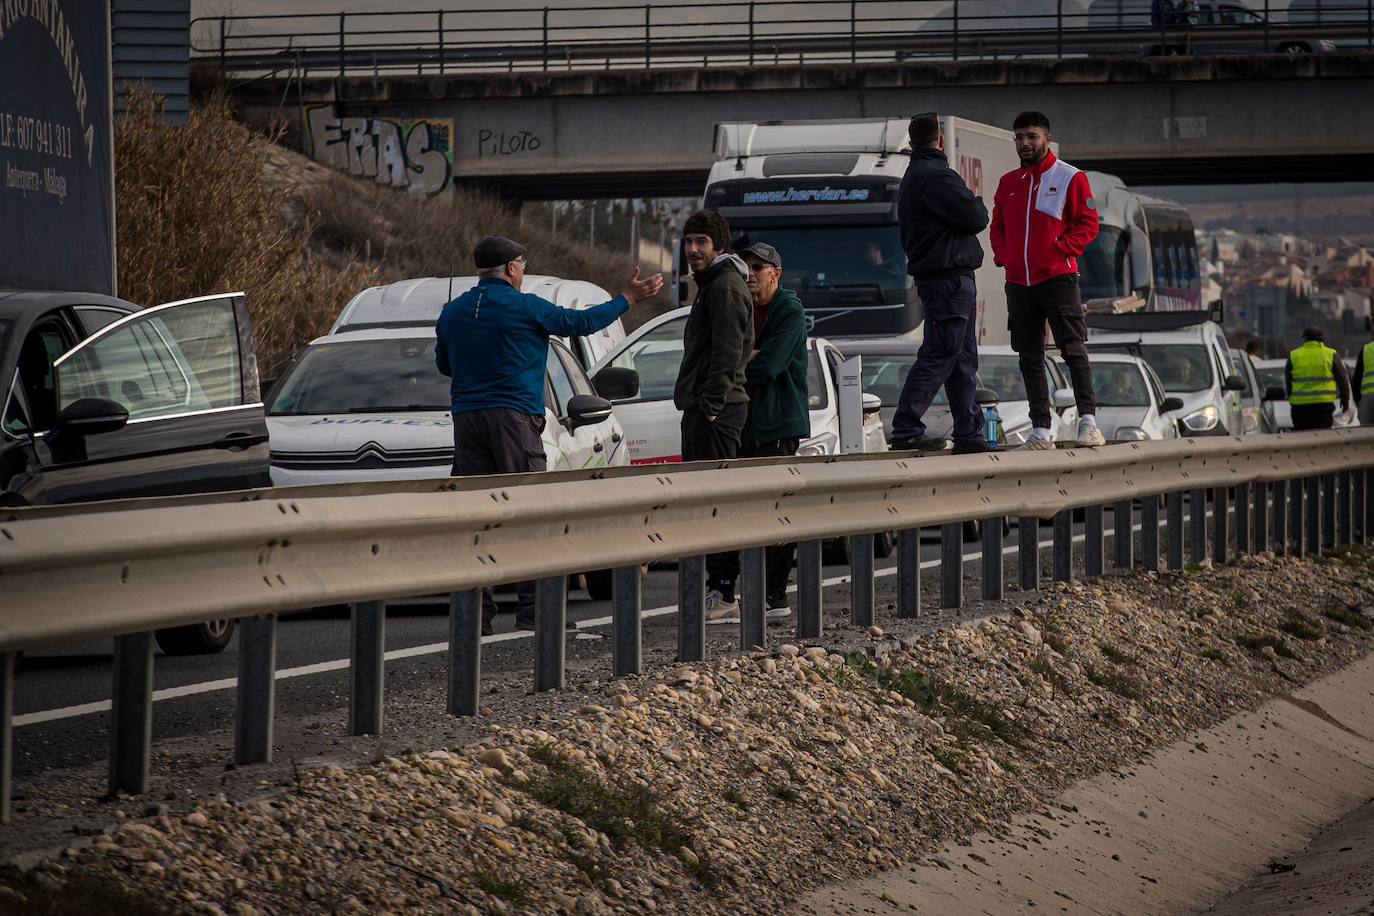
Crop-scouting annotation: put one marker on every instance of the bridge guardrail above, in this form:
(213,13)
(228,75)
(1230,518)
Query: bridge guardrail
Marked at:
(128,568)
(734,32)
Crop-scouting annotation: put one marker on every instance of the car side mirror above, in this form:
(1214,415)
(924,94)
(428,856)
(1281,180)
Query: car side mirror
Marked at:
(985,397)
(871,403)
(1171,404)
(91,417)
(1234,383)
(1276,393)
(587,410)
(616,384)
(1063,399)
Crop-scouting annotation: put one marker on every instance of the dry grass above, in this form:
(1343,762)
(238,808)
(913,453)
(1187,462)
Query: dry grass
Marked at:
(200,211)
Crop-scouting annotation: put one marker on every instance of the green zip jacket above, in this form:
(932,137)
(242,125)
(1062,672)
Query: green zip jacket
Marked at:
(780,405)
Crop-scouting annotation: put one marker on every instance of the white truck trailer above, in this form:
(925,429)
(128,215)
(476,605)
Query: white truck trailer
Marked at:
(824,193)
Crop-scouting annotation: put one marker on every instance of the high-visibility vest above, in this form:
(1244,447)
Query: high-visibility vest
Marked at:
(1366,381)
(1313,380)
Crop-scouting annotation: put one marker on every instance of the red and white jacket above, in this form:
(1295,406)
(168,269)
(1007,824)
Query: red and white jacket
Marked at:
(1043,216)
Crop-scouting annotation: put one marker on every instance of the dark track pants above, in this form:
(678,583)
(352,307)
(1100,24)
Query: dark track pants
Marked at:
(1028,308)
(949,357)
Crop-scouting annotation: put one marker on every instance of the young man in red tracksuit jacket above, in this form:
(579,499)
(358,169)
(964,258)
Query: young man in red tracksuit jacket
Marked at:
(1043,217)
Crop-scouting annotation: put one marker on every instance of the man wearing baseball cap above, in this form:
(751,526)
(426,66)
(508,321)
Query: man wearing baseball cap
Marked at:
(779,418)
(493,343)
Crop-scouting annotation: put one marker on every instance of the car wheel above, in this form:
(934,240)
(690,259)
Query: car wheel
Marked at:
(884,543)
(1295,47)
(198,639)
(598,584)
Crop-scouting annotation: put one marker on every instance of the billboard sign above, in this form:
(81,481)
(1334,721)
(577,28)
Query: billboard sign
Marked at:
(56,161)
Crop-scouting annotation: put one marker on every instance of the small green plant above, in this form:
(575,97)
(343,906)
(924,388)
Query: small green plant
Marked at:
(1053,635)
(1346,616)
(1113,654)
(950,760)
(498,886)
(784,793)
(1299,627)
(1194,568)
(1042,666)
(732,796)
(1118,684)
(1216,655)
(1256,645)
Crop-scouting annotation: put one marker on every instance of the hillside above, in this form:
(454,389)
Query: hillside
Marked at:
(214,207)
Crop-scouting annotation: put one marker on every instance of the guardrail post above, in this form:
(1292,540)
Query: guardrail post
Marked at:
(367,668)
(1173,531)
(1149,532)
(1063,546)
(1221,525)
(1360,505)
(441,42)
(752,630)
(6,735)
(1279,493)
(691,609)
(1344,524)
(952,565)
(1329,503)
(1259,537)
(861,580)
(1297,546)
(1197,518)
(1123,533)
(550,618)
(464,652)
(1093,546)
(1313,498)
(992,558)
(257,689)
(909,573)
(809,590)
(1028,552)
(627,608)
(343,18)
(131,713)
(1244,521)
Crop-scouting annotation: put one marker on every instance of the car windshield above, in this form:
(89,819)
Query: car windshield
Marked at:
(1180,367)
(835,257)
(363,376)
(1119,385)
(657,356)
(1002,374)
(1100,263)
(1271,376)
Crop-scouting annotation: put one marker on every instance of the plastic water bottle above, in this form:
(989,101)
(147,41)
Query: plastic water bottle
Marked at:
(992,426)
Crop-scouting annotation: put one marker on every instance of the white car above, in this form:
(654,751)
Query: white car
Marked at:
(417,304)
(652,422)
(371,405)
(1131,403)
(887,361)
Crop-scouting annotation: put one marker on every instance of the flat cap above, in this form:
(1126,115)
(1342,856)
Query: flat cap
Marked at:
(764,252)
(494,250)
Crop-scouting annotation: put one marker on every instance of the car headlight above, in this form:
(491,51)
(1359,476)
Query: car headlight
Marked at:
(1017,436)
(1130,434)
(824,444)
(1200,421)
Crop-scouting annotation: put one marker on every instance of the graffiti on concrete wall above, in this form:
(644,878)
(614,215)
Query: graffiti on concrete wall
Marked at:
(413,154)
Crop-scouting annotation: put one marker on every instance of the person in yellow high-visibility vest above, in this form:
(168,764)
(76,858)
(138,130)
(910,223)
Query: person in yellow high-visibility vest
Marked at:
(1363,381)
(1316,379)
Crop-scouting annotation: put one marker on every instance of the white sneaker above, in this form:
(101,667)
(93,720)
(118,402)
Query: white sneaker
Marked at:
(1089,435)
(1036,444)
(718,610)
(777,614)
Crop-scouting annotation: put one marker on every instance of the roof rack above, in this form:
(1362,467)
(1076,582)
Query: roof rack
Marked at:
(1156,321)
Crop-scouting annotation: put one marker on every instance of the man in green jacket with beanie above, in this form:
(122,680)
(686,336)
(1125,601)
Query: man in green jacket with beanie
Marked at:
(779,415)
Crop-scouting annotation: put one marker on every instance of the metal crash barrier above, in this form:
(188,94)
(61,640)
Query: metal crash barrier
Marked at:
(127,568)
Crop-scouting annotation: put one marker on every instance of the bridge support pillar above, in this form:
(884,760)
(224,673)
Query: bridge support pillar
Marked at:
(550,619)
(367,668)
(992,558)
(691,609)
(909,573)
(861,580)
(752,627)
(464,652)
(1063,546)
(1173,531)
(131,713)
(809,590)
(952,565)
(1028,552)
(627,609)
(257,690)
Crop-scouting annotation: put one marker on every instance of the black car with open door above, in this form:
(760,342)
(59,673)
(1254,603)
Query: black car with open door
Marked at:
(104,400)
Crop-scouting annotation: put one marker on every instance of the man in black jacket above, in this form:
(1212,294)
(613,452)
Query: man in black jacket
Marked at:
(940,221)
(716,345)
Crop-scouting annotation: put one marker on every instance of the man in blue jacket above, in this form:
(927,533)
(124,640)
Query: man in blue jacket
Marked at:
(940,219)
(493,342)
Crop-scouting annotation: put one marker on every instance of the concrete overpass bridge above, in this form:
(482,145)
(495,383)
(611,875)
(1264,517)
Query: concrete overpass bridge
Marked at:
(620,133)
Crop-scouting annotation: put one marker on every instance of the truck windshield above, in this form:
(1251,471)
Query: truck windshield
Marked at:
(363,376)
(1102,266)
(836,257)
